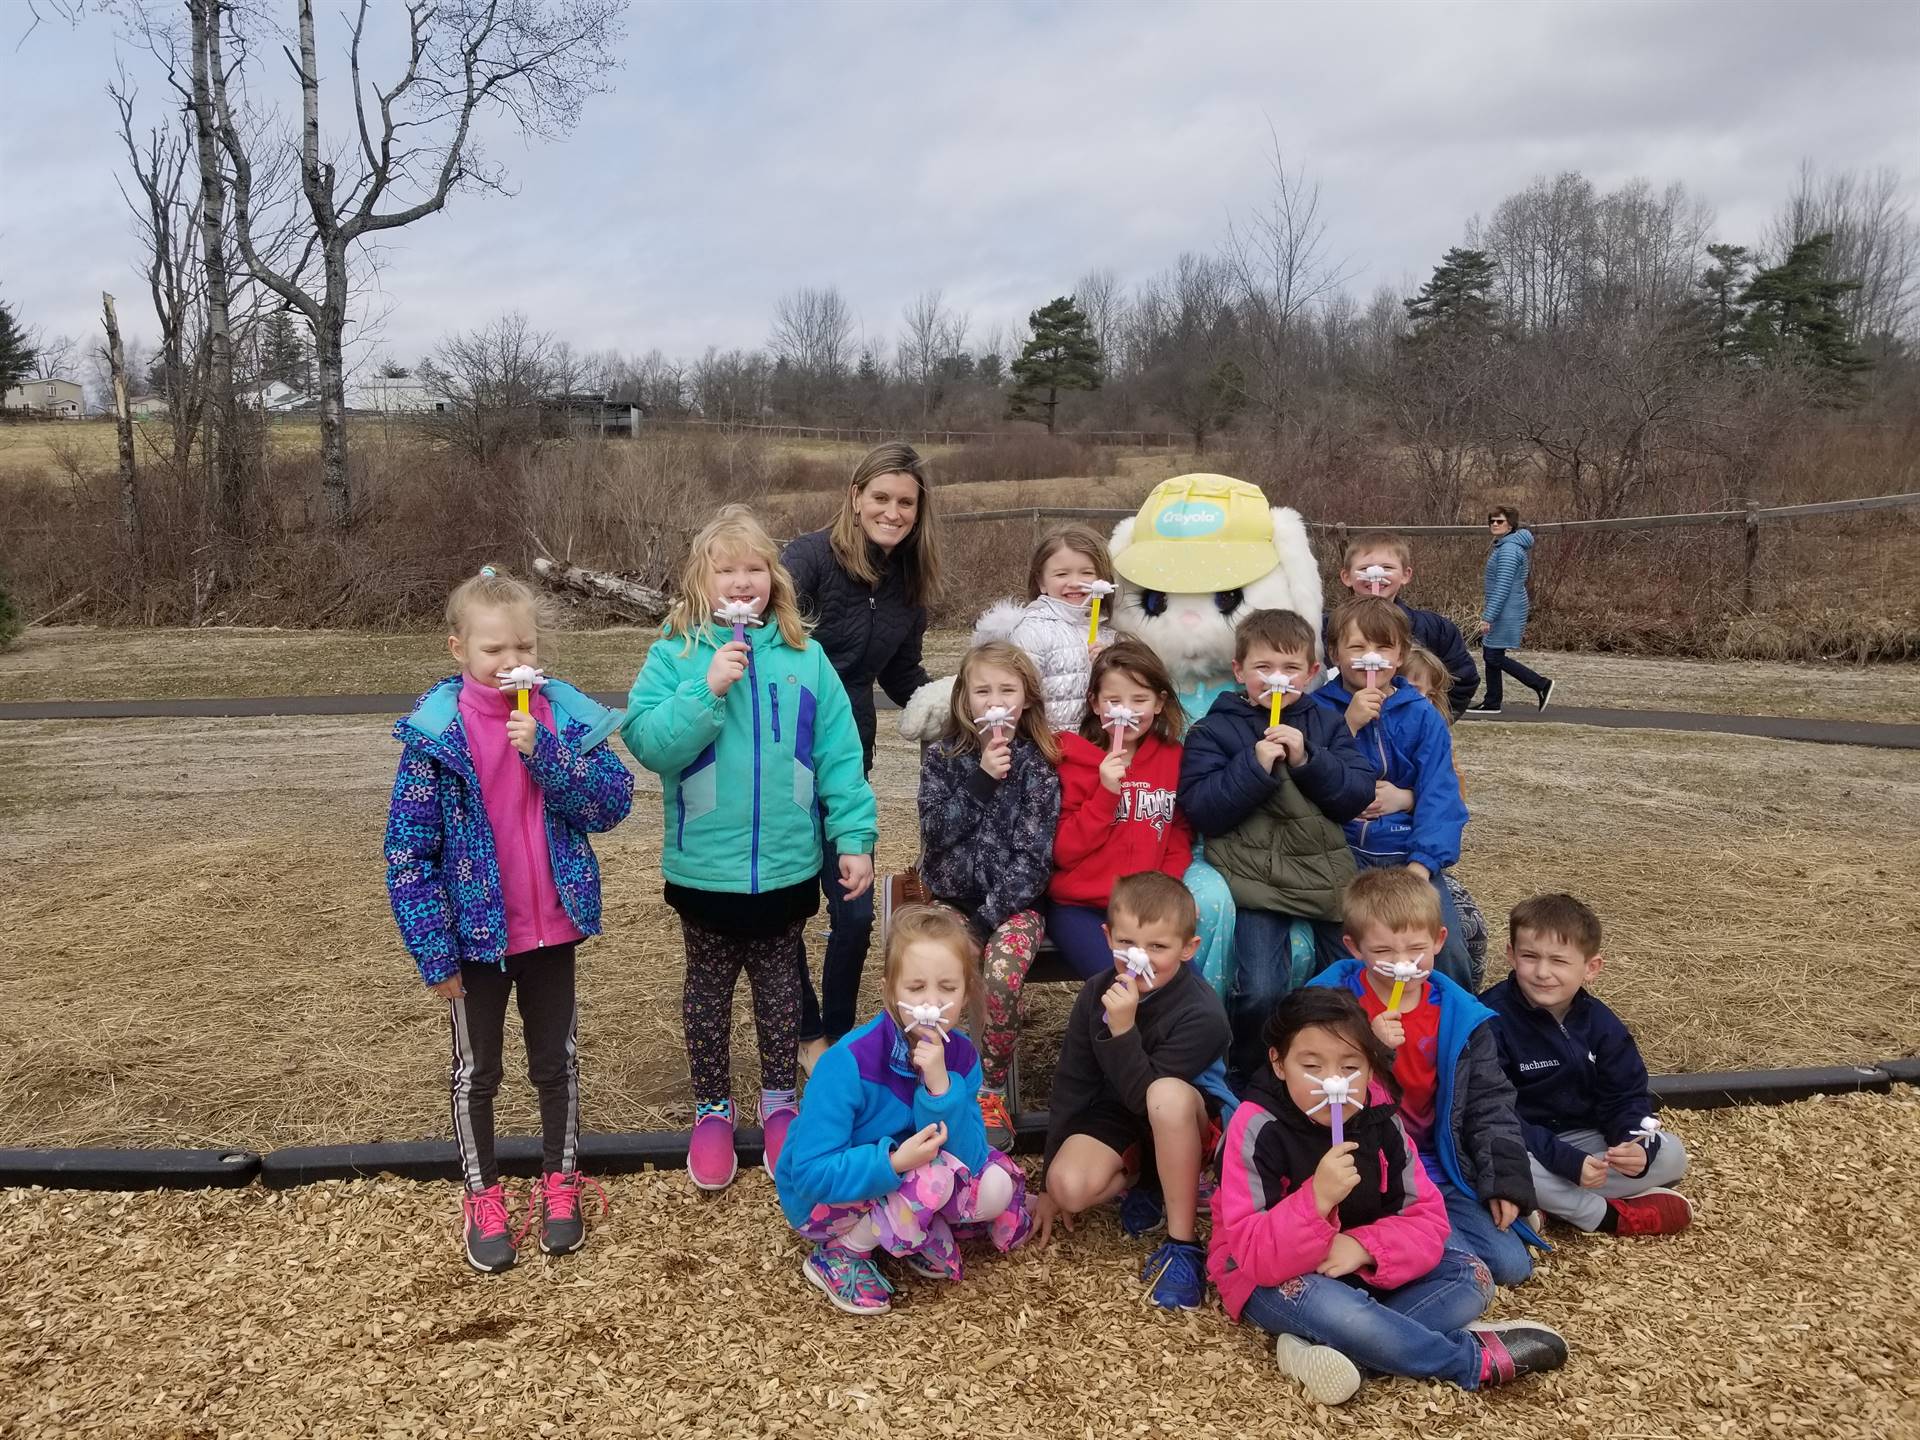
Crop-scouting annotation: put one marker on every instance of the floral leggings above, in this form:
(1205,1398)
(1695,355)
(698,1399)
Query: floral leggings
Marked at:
(775,966)
(1008,958)
(935,1207)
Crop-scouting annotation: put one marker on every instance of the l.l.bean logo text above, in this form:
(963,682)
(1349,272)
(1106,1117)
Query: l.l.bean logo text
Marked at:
(1189,519)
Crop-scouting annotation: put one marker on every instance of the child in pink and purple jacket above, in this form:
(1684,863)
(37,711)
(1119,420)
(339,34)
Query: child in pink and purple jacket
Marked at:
(1340,1251)
(494,884)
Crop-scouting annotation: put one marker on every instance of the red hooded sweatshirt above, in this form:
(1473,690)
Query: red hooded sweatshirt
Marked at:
(1103,836)
(517,810)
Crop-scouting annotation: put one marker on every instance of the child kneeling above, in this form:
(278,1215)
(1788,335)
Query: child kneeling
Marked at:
(1143,1043)
(1340,1249)
(1600,1160)
(889,1151)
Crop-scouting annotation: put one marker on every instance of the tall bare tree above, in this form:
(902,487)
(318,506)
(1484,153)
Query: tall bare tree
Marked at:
(533,62)
(489,383)
(1876,241)
(813,338)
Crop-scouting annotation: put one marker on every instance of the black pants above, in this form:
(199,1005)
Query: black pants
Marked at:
(542,980)
(830,1014)
(1497,662)
(776,966)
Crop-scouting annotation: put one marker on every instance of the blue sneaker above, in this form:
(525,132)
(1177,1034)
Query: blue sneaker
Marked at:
(1178,1273)
(1141,1212)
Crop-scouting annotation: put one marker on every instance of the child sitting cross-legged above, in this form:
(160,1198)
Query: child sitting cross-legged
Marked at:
(1455,1099)
(1138,1085)
(1600,1161)
(1334,1240)
(888,1152)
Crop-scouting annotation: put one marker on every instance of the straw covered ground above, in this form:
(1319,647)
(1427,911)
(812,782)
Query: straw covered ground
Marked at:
(200,950)
(343,1310)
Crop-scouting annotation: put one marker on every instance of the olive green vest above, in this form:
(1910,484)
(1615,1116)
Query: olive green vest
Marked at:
(1286,857)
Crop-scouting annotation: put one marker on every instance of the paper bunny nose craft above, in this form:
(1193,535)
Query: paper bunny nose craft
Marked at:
(1098,590)
(1278,688)
(1336,1092)
(1403,973)
(522,678)
(994,719)
(930,1015)
(739,614)
(1120,719)
(1372,575)
(1138,964)
(1649,1129)
(1372,663)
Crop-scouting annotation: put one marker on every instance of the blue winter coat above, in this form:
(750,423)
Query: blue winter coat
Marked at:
(1580,1073)
(1437,634)
(1409,746)
(443,876)
(862,1100)
(1476,1132)
(1505,606)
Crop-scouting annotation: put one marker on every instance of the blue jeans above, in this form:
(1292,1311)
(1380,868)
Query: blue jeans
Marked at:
(849,933)
(1504,1251)
(1455,960)
(1273,958)
(1418,1330)
(1075,929)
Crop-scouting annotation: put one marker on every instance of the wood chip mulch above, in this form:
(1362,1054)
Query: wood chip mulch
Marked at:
(345,1310)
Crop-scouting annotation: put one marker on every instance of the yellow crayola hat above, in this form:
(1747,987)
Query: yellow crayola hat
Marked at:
(1199,533)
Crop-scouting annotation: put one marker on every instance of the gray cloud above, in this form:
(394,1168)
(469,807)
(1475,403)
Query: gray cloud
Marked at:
(1000,151)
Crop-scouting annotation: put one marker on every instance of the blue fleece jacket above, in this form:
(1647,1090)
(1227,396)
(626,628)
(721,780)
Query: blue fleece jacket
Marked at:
(862,1100)
(1476,1136)
(1580,1073)
(1409,745)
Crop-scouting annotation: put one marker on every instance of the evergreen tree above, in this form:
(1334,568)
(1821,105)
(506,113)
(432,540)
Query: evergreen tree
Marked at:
(989,372)
(1720,301)
(284,355)
(1456,298)
(1062,355)
(16,352)
(1793,315)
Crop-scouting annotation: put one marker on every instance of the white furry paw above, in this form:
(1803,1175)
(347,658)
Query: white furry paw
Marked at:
(925,715)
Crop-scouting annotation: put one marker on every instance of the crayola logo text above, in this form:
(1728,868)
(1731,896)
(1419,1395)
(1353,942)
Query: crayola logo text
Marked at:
(1178,521)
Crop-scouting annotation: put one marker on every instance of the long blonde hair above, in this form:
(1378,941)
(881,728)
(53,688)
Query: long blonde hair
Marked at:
(733,531)
(962,732)
(918,556)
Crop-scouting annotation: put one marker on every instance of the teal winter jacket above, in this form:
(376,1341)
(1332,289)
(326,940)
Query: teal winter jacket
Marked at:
(745,776)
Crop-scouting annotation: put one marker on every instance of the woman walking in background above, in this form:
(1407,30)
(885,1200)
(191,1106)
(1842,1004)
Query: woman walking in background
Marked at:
(864,581)
(1503,612)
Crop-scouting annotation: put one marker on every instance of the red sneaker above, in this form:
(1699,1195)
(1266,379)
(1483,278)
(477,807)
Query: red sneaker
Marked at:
(1659,1211)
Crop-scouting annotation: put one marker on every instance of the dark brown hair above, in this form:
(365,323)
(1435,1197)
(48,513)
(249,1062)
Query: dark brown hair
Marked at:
(1155,898)
(1513,516)
(1138,662)
(1281,631)
(1331,1008)
(1557,917)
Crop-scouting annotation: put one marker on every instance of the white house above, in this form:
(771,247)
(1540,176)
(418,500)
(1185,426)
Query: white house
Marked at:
(146,407)
(56,399)
(395,395)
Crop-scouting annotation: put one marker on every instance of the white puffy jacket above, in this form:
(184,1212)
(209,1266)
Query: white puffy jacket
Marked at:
(1054,635)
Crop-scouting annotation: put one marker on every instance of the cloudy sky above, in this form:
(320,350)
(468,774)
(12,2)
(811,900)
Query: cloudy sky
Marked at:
(1000,150)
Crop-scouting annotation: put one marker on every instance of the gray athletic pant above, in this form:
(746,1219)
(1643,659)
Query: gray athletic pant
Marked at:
(542,981)
(1585,1208)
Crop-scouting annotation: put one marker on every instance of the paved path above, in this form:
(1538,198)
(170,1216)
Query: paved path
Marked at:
(1770,727)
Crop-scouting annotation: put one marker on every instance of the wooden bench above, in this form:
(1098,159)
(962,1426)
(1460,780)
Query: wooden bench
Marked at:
(1049,966)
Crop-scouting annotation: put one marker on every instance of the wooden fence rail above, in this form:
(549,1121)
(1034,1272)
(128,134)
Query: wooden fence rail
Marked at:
(1136,439)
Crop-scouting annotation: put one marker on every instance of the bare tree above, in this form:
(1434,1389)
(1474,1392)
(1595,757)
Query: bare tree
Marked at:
(490,383)
(813,339)
(731,386)
(1104,303)
(934,339)
(55,357)
(123,422)
(533,62)
(1184,334)
(1277,255)
(1876,241)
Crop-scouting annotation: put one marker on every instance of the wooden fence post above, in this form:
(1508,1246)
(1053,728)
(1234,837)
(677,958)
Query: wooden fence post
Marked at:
(1752,553)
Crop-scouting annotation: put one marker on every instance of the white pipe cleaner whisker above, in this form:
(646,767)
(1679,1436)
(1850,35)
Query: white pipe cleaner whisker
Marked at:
(1372,662)
(1334,1090)
(1122,716)
(1279,685)
(1372,575)
(1097,588)
(1403,971)
(1138,964)
(1649,1129)
(520,677)
(929,1015)
(737,612)
(994,717)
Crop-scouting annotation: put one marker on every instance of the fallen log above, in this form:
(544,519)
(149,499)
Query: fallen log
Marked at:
(626,598)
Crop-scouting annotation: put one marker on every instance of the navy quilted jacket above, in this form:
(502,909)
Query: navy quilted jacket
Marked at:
(442,876)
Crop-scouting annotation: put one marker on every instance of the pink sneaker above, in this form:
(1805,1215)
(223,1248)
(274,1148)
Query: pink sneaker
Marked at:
(774,1125)
(484,1231)
(710,1156)
(563,1229)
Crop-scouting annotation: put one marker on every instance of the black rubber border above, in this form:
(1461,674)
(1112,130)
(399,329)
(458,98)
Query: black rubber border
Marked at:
(623,1154)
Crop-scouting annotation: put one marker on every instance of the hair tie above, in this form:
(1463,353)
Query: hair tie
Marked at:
(488,572)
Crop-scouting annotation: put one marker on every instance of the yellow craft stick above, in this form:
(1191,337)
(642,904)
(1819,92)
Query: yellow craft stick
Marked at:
(1093,625)
(1393,1000)
(1279,699)
(520,700)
